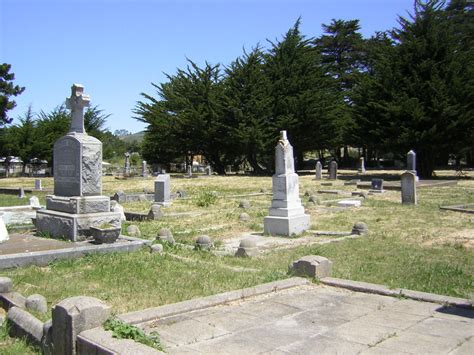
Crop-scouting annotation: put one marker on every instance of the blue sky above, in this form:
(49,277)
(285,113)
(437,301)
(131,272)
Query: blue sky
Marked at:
(117,48)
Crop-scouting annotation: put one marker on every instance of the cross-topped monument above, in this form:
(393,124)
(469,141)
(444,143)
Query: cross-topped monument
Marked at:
(76,104)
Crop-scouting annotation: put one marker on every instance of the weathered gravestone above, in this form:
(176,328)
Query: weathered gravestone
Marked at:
(286,214)
(38,184)
(319,171)
(77,203)
(361,169)
(144,169)
(408,181)
(162,190)
(333,170)
(189,170)
(208,170)
(411,163)
(377,185)
(126,168)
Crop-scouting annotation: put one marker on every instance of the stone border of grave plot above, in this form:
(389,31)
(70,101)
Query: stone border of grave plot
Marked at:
(42,258)
(150,314)
(459,208)
(388,186)
(397,292)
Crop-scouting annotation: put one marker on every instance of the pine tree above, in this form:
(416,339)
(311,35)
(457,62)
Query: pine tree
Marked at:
(7,89)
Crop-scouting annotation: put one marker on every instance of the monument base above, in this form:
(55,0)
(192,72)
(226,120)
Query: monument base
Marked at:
(285,226)
(78,205)
(73,226)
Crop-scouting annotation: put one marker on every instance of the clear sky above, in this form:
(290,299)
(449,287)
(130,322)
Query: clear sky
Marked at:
(117,48)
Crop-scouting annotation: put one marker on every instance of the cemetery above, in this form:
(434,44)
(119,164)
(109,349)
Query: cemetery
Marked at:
(313,196)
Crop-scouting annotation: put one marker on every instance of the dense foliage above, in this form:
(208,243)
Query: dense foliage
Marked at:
(7,90)
(406,88)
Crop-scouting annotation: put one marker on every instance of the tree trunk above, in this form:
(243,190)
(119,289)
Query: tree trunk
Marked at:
(425,164)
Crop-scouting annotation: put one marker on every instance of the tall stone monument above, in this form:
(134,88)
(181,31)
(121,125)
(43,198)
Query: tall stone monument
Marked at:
(319,171)
(144,169)
(286,215)
(163,190)
(77,203)
(126,168)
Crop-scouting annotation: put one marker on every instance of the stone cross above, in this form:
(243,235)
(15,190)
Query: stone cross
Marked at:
(76,104)
(408,181)
(319,170)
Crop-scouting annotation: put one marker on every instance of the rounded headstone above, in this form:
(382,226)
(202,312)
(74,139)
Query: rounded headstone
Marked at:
(315,200)
(360,228)
(248,247)
(34,202)
(203,242)
(117,207)
(157,248)
(244,217)
(165,234)
(133,231)
(181,193)
(36,303)
(6,284)
(244,204)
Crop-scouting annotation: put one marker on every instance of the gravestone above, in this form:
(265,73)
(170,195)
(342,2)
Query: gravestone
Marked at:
(126,168)
(144,169)
(38,184)
(333,170)
(411,163)
(3,231)
(377,185)
(162,190)
(189,171)
(208,170)
(319,171)
(77,203)
(361,169)
(408,181)
(286,215)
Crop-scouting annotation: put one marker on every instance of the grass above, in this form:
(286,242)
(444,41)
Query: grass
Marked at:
(414,247)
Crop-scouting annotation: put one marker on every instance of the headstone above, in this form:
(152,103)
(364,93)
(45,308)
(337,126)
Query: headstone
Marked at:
(319,171)
(144,169)
(126,168)
(189,170)
(34,202)
(165,235)
(117,207)
(77,203)
(3,231)
(157,249)
(411,163)
(377,185)
(38,184)
(71,317)
(247,248)
(36,303)
(313,266)
(6,284)
(333,170)
(408,182)
(21,193)
(360,228)
(208,170)
(286,215)
(163,190)
(133,231)
(203,242)
(361,169)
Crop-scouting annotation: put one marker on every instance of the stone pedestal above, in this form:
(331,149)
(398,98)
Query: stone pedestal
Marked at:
(77,203)
(286,215)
